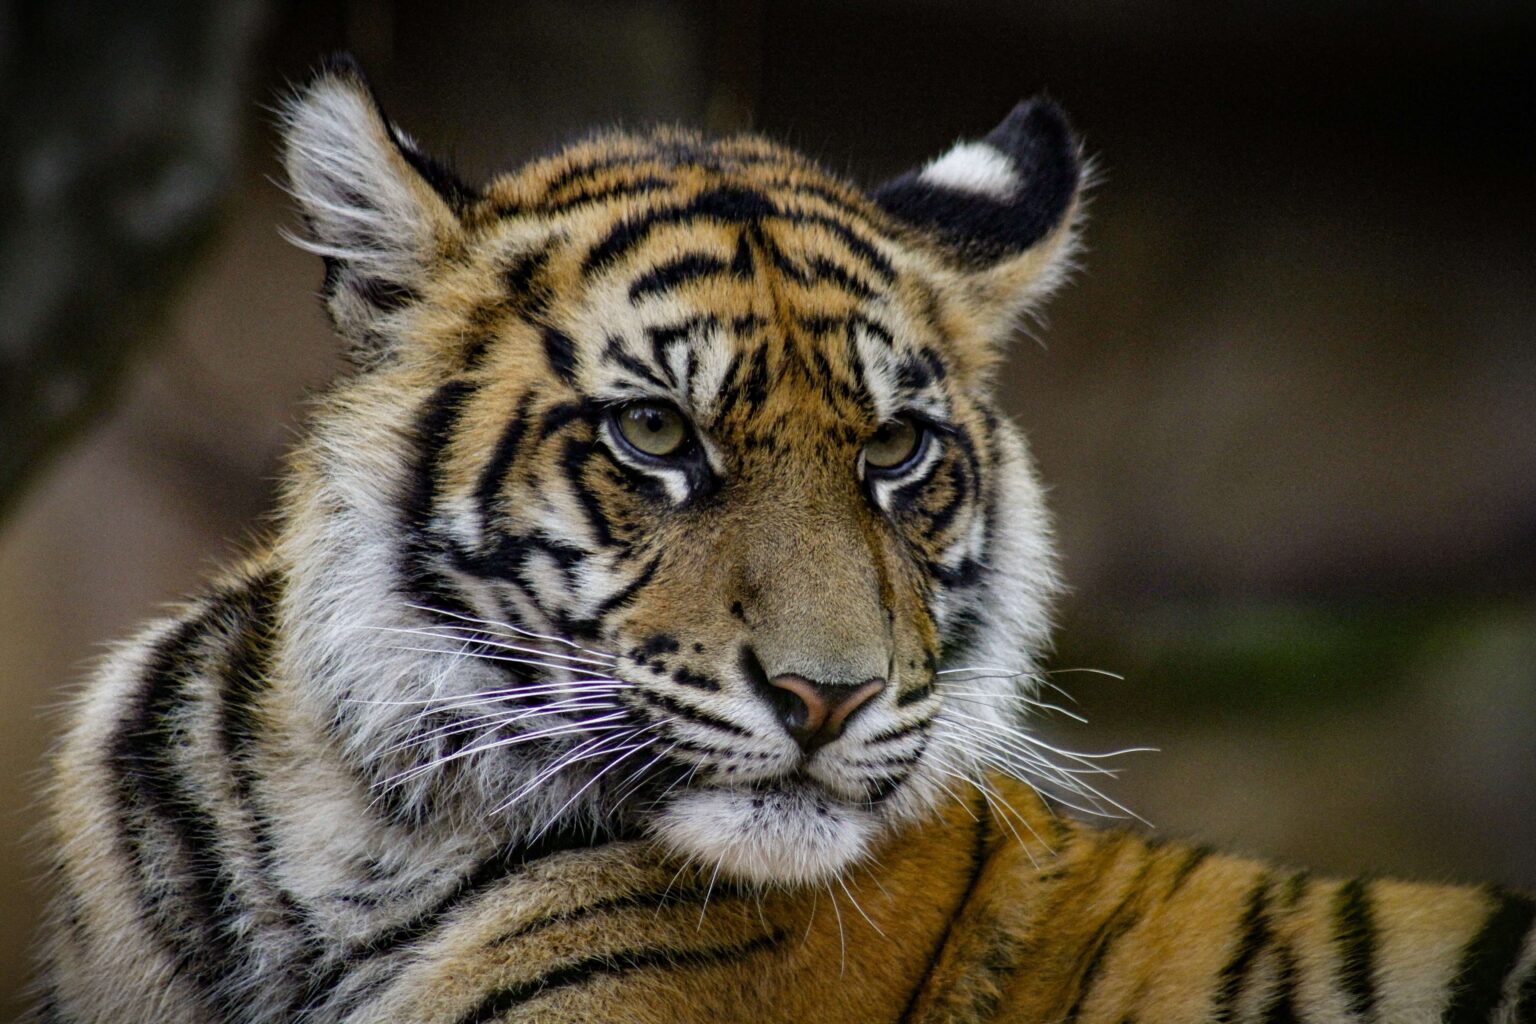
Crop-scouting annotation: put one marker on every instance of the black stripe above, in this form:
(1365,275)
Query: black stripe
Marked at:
(561,415)
(561,353)
(1354,933)
(525,283)
(421,579)
(247,677)
(573,460)
(689,267)
(243,683)
(1489,958)
(588,168)
(503,1001)
(874,329)
(941,518)
(980,841)
(614,350)
(486,875)
(685,676)
(192,908)
(1197,856)
(493,477)
(433,430)
(693,714)
(649,900)
(898,732)
(627,593)
(843,204)
(821,269)
(1295,889)
(1120,921)
(728,204)
(608,193)
(1281,1008)
(742,264)
(1255,935)
(909,697)
(754,384)
(667,334)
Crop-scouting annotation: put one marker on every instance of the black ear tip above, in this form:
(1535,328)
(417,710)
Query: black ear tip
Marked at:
(984,208)
(1034,127)
(341,64)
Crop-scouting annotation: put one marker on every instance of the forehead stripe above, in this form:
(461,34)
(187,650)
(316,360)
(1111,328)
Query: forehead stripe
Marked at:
(614,352)
(690,267)
(604,193)
(669,334)
(728,205)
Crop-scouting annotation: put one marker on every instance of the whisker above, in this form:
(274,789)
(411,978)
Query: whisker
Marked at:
(582,752)
(842,940)
(979,697)
(708,890)
(1090,671)
(511,741)
(508,693)
(504,658)
(855,902)
(636,778)
(604,771)
(510,629)
(503,718)
(1077,785)
(991,797)
(463,635)
(1079,757)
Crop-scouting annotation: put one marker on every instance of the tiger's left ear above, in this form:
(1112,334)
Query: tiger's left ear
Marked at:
(1000,211)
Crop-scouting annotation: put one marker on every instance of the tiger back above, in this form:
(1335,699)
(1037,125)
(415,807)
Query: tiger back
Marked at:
(649,632)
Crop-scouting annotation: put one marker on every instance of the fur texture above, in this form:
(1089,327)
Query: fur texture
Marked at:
(518,718)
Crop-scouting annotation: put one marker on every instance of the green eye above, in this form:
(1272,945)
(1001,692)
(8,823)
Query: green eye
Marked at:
(652,428)
(894,444)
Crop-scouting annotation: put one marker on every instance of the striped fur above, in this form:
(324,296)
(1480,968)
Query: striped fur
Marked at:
(491,729)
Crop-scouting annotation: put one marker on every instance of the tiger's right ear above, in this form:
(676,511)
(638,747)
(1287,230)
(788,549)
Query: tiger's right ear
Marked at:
(379,211)
(1002,211)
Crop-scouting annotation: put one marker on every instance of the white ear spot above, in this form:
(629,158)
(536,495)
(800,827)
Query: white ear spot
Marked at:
(975,167)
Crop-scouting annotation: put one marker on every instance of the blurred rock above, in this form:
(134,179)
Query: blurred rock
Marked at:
(120,126)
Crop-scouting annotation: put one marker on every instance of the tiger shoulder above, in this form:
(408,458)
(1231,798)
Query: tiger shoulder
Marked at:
(648,634)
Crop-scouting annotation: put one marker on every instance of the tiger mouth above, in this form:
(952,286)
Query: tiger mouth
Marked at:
(800,783)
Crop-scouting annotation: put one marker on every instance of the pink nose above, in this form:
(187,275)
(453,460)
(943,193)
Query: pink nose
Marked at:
(815,713)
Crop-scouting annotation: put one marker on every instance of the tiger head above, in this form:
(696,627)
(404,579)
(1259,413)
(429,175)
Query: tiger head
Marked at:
(668,493)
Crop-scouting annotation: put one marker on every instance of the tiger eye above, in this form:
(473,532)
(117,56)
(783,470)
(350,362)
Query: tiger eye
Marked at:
(894,443)
(653,428)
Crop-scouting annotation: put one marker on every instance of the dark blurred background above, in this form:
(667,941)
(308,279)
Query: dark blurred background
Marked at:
(1287,412)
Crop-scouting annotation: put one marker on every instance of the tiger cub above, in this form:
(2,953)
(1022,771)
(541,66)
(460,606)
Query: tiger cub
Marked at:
(605,662)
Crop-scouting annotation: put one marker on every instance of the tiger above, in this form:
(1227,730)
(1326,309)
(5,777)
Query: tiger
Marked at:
(649,632)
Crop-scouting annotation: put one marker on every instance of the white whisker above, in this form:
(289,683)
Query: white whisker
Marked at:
(511,629)
(503,658)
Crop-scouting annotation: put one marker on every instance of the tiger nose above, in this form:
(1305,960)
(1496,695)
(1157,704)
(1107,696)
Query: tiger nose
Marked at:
(815,713)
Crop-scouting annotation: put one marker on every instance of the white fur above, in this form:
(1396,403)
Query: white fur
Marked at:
(975,167)
(772,838)
(338,151)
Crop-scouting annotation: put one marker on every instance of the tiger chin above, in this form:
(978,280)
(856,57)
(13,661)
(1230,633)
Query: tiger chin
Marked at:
(647,634)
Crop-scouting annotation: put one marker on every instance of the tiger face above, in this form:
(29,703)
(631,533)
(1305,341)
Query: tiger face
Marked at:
(668,494)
